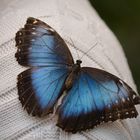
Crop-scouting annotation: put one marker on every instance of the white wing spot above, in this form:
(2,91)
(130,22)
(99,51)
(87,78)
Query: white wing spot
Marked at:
(126,113)
(102,117)
(128,99)
(119,115)
(35,22)
(33,33)
(52,30)
(134,96)
(123,99)
(133,111)
(20,33)
(19,41)
(121,82)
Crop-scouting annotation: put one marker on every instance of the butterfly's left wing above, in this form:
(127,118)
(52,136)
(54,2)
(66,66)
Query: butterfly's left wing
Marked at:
(96,96)
(42,49)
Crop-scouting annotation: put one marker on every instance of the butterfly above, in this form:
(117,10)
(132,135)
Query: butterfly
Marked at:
(93,96)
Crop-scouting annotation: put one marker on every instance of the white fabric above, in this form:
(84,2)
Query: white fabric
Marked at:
(74,20)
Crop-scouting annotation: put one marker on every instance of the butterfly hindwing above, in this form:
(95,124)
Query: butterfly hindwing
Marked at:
(40,45)
(96,96)
(40,88)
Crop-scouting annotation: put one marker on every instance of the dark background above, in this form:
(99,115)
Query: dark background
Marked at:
(123,17)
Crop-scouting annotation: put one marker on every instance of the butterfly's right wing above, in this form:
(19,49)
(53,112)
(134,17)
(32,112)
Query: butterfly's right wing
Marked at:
(96,96)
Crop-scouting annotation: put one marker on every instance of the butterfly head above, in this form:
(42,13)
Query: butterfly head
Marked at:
(78,62)
(76,67)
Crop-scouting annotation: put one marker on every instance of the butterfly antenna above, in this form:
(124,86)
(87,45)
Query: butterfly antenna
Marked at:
(88,50)
(45,16)
(75,48)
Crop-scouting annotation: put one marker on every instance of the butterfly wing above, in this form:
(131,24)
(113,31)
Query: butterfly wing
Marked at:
(40,45)
(96,96)
(44,51)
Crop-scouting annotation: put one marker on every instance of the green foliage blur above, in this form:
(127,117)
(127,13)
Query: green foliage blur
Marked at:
(123,17)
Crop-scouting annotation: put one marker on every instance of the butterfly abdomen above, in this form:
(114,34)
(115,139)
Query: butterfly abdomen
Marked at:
(69,81)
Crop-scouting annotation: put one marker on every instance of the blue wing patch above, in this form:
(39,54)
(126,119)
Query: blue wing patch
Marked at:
(40,88)
(94,98)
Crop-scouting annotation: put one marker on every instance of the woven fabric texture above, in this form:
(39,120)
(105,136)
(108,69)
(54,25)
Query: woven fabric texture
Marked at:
(74,20)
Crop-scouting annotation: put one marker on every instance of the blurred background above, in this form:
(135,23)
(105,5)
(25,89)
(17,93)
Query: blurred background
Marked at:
(123,17)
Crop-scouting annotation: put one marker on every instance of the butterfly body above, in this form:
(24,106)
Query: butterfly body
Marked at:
(74,71)
(93,95)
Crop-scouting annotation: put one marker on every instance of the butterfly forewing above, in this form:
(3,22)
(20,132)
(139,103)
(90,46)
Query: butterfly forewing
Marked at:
(40,45)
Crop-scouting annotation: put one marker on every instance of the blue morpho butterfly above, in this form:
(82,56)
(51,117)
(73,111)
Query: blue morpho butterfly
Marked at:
(93,95)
